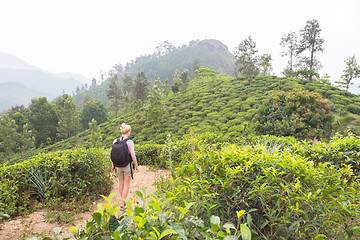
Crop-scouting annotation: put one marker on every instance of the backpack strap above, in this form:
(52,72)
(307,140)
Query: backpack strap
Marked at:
(131,162)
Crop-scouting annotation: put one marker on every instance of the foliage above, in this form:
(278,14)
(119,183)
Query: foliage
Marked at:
(265,64)
(69,116)
(223,105)
(290,42)
(93,109)
(95,139)
(299,113)
(310,40)
(154,218)
(351,71)
(163,63)
(43,119)
(262,186)
(71,175)
(140,88)
(154,106)
(341,151)
(114,94)
(285,196)
(247,59)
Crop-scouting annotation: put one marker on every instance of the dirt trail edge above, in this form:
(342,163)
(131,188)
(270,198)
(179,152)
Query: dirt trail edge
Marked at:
(35,223)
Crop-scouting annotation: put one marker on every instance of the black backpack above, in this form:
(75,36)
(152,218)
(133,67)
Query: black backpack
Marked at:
(120,154)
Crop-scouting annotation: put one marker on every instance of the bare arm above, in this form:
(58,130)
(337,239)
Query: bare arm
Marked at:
(135,162)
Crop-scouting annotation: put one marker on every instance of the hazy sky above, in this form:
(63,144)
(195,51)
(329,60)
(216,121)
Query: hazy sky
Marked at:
(88,36)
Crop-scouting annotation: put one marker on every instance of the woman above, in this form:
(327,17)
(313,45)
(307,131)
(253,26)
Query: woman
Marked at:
(124,173)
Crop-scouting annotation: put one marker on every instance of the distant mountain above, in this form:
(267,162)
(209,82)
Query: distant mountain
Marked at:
(12,94)
(163,64)
(12,62)
(75,76)
(209,53)
(20,82)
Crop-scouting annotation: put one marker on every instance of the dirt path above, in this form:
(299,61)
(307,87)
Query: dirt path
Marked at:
(35,223)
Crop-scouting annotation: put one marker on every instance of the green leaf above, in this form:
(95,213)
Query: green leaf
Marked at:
(107,200)
(221,234)
(111,196)
(139,211)
(320,236)
(113,224)
(166,232)
(245,232)
(108,208)
(229,226)
(215,223)
(97,217)
(215,220)
(100,207)
(157,232)
(140,195)
(116,235)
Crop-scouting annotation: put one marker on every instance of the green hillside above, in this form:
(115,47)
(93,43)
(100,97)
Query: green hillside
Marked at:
(269,187)
(209,53)
(220,104)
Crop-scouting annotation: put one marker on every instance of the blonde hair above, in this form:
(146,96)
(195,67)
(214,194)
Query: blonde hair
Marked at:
(125,128)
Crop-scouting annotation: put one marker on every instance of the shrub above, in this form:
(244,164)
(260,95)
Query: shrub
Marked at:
(70,175)
(354,109)
(149,154)
(284,195)
(299,113)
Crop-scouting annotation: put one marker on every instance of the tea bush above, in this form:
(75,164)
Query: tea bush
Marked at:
(285,195)
(154,218)
(299,113)
(70,175)
(340,151)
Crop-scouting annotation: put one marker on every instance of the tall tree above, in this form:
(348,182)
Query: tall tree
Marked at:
(20,115)
(247,59)
(93,83)
(92,109)
(311,41)
(119,68)
(9,137)
(154,107)
(44,121)
(290,43)
(141,87)
(164,48)
(69,116)
(265,64)
(195,67)
(351,71)
(95,135)
(128,83)
(114,94)
(184,78)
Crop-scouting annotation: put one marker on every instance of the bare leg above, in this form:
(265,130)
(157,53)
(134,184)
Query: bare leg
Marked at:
(121,186)
(124,184)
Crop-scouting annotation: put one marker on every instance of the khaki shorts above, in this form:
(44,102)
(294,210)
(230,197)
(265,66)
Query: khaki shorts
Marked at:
(123,171)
